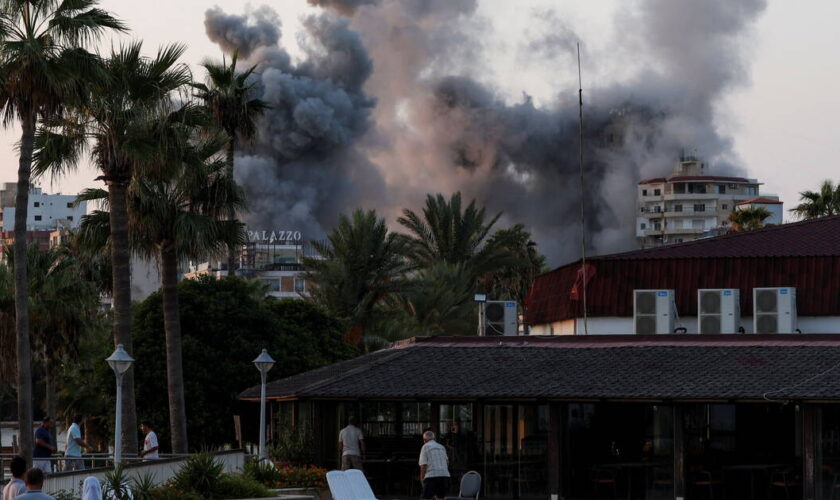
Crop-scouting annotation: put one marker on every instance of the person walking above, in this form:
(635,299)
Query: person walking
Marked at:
(34,479)
(434,468)
(351,442)
(75,443)
(150,442)
(44,446)
(15,486)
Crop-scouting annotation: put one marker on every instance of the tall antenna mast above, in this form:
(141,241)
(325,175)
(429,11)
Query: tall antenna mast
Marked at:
(582,191)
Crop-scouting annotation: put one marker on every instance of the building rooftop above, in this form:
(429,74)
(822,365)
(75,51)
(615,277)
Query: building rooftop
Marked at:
(684,178)
(804,254)
(762,201)
(662,367)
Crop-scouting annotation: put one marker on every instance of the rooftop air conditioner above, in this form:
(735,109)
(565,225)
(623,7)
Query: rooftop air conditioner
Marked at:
(774,310)
(653,311)
(500,318)
(718,310)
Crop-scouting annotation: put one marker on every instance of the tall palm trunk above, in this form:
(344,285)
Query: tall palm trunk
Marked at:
(174,364)
(232,249)
(121,266)
(24,354)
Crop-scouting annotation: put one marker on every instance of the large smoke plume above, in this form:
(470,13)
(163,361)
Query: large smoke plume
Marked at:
(390,103)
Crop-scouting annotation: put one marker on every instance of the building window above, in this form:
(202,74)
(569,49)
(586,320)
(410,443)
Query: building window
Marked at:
(700,207)
(657,209)
(300,285)
(70,205)
(69,217)
(642,209)
(722,189)
(272,285)
(644,192)
(657,192)
(725,206)
(657,227)
(37,217)
(36,204)
(677,208)
(642,225)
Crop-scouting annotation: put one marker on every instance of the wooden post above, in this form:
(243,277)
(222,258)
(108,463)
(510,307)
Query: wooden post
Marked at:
(555,429)
(679,453)
(809,438)
(435,418)
(295,414)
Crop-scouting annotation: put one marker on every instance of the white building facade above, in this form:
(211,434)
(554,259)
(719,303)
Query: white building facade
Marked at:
(769,203)
(688,204)
(47,212)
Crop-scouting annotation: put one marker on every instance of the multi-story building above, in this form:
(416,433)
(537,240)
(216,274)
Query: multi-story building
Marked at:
(47,212)
(273,257)
(689,204)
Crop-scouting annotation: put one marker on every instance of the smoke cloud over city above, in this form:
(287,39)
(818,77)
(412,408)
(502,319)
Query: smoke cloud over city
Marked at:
(390,101)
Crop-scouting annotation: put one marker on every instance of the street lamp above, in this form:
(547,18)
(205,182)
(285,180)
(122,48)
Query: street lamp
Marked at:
(264,362)
(120,361)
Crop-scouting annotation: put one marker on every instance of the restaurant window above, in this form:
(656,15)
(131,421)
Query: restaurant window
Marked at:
(416,417)
(378,419)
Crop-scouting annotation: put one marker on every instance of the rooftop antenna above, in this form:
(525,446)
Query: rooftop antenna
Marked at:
(582,206)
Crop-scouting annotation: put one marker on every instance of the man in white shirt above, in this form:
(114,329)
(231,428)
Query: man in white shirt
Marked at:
(434,468)
(15,486)
(351,442)
(150,443)
(75,443)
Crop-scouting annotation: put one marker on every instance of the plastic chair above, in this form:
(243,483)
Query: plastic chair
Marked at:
(604,477)
(470,487)
(359,485)
(705,480)
(340,487)
(786,479)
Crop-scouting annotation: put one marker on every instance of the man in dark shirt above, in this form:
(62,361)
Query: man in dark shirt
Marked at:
(44,446)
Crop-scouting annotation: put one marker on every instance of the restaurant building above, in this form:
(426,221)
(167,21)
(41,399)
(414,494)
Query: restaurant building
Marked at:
(677,416)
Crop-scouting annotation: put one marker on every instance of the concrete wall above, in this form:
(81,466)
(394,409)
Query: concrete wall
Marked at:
(162,470)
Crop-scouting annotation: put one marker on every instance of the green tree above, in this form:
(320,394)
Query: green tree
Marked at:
(748,219)
(120,118)
(228,96)
(43,63)
(225,323)
(176,215)
(359,267)
(820,203)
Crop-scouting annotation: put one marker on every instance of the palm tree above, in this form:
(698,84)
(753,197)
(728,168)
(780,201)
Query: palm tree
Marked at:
(359,268)
(228,96)
(748,219)
(513,281)
(119,118)
(175,215)
(820,203)
(447,233)
(42,62)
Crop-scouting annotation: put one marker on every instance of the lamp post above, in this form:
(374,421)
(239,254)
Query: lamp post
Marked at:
(264,362)
(120,361)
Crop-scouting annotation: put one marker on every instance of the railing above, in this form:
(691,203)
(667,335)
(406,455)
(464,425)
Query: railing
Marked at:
(161,470)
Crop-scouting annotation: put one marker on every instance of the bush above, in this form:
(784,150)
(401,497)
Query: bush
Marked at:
(201,474)
(236,486)
(169,492)
(292,445)
(267,475)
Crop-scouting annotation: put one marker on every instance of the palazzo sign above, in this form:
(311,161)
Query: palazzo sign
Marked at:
(287,237)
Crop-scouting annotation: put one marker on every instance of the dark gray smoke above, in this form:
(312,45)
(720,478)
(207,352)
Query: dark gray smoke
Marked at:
(258,28)
(439,125)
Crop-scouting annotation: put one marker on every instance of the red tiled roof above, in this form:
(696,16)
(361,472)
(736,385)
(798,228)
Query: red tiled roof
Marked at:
(805,255)
(762,201)
(697,178)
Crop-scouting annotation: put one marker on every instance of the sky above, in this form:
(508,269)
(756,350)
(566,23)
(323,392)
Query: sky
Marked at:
(782,119)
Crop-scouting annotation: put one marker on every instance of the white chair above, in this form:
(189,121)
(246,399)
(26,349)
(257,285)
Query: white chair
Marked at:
(359,485)
(470,487)
(340,487)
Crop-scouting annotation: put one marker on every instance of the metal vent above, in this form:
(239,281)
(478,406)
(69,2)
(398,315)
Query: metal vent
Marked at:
(767,323)
(646,325)
(766,301)
(646,303)
(710,324)
(494,312)
(710,302)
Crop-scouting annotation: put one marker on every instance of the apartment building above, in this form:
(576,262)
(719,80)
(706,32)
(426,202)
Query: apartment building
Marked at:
(47,212)
(690,204)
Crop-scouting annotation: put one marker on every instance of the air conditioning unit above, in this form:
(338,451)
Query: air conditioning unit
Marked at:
(774,310)
(718,310)
(500,318)
(653,311)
